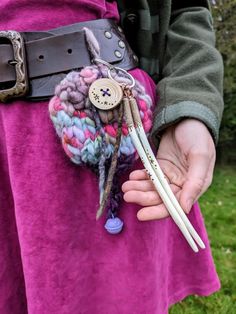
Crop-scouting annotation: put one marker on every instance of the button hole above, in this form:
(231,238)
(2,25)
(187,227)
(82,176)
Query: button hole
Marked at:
(41,57)
(12,62)
(69,51)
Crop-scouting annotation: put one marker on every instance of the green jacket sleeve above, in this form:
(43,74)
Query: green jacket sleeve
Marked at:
(192,78)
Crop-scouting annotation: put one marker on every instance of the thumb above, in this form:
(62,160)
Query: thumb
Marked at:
(195,179)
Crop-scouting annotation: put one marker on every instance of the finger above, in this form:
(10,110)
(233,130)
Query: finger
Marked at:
(138,175)
(135,185)
(142,198)
(148,198)
(154,212)
(195,181)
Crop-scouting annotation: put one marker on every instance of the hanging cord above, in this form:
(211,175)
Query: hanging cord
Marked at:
(113,165)
(124,164)
(102,161)
(94,50)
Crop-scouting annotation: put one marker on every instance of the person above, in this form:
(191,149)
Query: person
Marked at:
(55,257)
(188,108)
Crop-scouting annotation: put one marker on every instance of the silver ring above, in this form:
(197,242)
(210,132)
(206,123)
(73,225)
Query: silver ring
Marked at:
(117,69)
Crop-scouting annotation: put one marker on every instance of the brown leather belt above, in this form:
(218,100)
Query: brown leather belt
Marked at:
(33,63)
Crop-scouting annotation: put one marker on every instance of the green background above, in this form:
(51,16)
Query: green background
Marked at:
(218,204)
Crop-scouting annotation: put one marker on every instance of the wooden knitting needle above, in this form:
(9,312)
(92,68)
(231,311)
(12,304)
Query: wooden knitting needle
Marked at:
(129,104)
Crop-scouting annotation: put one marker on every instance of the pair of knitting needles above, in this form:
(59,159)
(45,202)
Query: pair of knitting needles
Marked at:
(150,163)
(155,173)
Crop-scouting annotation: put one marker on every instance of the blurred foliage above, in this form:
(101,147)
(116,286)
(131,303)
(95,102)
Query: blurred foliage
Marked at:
(224,13)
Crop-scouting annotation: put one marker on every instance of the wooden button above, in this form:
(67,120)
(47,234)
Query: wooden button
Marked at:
(105,94)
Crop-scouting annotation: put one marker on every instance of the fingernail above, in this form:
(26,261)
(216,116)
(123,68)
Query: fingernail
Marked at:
(122,187)
(189,206)
(140,215)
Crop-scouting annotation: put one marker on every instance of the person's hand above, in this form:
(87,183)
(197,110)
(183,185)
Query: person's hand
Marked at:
(187,157)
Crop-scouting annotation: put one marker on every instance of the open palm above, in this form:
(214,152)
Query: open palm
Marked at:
(187,156)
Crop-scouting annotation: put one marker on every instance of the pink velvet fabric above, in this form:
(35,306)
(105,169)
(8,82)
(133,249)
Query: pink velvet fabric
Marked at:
(55,258)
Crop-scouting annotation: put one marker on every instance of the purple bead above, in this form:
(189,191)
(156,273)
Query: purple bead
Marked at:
(114,225)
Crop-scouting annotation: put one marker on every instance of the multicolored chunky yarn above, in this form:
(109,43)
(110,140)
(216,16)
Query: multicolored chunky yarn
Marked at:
(88,135)
(74,121)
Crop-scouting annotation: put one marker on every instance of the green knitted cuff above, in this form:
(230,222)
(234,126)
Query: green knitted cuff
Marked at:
(186,109)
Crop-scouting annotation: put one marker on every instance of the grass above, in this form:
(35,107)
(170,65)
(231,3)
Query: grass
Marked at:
(218,206)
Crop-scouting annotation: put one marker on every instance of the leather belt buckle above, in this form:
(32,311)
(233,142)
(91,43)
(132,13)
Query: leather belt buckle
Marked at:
(20,88)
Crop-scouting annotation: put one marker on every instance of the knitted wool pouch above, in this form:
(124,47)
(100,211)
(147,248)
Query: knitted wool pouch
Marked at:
(88,135)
